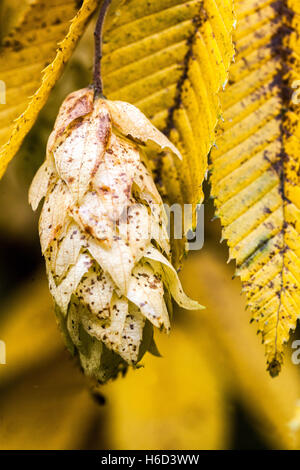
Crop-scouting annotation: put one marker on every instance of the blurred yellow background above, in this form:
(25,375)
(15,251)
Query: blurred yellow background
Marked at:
(210,390)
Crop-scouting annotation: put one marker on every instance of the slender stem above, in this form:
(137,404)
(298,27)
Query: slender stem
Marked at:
(97,78)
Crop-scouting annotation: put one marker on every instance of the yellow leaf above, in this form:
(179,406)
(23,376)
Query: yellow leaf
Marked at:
(44,397)
(255,170)
(170,58)
(174,402)
(26,328)
(237,352)
(205,364)
(44,405)
(294,423)
(47,408)
(24,54)
(11,15)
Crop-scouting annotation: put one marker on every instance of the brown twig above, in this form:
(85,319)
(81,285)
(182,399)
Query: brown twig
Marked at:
(97,78)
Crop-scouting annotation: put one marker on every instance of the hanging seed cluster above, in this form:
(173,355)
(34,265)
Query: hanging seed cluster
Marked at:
(103,233)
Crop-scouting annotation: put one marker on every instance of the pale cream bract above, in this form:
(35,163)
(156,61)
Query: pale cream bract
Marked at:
(103,233)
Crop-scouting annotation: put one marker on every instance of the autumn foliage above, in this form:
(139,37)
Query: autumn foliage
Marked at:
(213,84)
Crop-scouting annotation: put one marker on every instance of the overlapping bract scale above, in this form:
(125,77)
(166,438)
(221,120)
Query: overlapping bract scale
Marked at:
(103,232)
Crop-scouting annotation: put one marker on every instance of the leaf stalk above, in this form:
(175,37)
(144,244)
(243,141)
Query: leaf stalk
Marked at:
(98,37)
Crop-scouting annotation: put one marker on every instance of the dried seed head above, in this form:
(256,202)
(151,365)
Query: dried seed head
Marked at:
(103,233)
